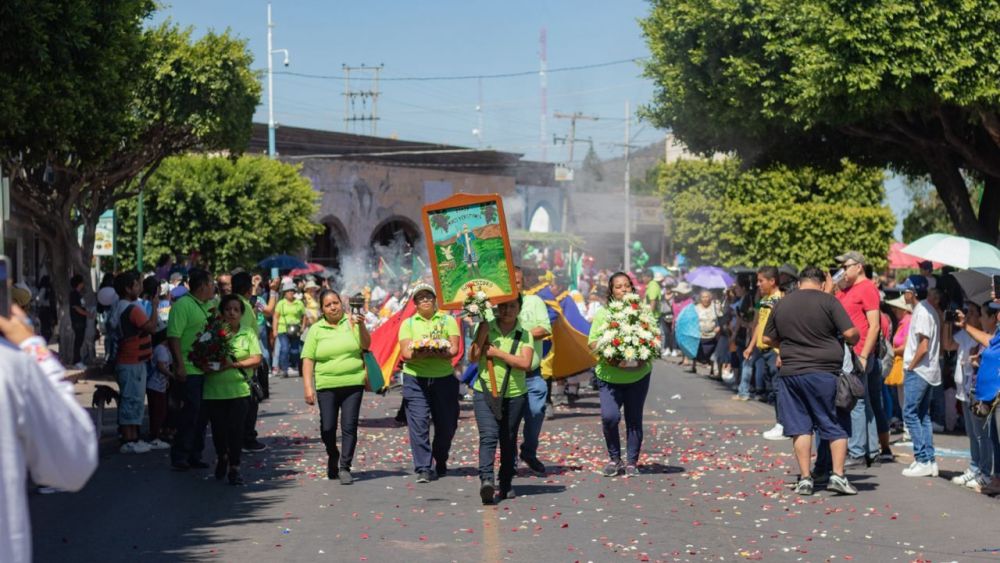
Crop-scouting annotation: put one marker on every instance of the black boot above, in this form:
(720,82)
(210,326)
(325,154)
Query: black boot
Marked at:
(486,490)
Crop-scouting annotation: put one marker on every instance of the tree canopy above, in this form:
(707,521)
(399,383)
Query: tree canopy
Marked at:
(233,212)
(899,84)
(724,215)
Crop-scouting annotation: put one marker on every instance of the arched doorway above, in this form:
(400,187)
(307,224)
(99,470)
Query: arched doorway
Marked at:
(329,245)
(394,244)
(394,230)
(541,220)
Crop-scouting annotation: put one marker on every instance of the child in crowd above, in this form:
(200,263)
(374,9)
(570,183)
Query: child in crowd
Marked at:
(160,372)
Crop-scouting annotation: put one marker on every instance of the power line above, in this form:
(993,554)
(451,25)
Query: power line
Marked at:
(469,76)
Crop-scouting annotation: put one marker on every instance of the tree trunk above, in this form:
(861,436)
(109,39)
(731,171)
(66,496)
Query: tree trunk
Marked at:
(954,193)
(69,258)
(989,210)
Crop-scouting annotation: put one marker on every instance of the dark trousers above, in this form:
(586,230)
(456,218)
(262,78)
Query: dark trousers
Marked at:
(157,412)
(191,421)
(344,402)
(628,397)
(250,422)
(227,416)
(79,332)
(503,431)
(430,400)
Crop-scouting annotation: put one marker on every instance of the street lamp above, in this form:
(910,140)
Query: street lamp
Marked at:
(270,83)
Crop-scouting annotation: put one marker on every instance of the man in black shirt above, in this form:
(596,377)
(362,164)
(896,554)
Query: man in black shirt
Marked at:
(811,327)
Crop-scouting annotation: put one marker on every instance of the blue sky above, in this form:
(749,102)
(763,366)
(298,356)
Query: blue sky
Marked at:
(453,38)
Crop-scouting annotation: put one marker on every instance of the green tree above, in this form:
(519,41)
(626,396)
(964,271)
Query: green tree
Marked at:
(233,212)
(927,213)
(724,215)
(123,98)
(899,84)
(647,184)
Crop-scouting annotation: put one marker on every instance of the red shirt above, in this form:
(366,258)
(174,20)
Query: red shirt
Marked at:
(135,348)
(857,300)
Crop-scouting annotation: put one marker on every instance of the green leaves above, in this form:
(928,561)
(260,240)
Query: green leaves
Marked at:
(234,212)
(725,216)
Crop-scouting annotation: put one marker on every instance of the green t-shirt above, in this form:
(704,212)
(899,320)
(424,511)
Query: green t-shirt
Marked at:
(336,351)
(609,373)
(187,319)
(249,318)
(231,383)
(289,313)
(418,327)
(653,294)
(517,386)
(535,314)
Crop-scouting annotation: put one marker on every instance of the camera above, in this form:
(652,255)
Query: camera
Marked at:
(950,316)
(356,303)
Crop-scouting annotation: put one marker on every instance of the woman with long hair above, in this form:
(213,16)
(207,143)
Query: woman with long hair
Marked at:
(621,388)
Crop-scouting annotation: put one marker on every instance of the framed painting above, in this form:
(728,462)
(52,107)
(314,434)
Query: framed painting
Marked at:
(468,243)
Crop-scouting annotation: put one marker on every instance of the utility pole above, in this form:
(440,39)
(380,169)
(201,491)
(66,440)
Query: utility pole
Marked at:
(271,51)
(544,82)
(573,118)
(364,95)
(628,191)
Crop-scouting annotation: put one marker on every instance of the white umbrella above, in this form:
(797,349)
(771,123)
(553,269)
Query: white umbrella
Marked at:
(954,250)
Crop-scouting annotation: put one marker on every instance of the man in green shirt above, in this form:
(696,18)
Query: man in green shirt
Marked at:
(534,317)
(188,317)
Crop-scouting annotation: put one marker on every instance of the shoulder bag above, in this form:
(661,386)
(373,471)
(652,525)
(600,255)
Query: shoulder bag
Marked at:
(850,386)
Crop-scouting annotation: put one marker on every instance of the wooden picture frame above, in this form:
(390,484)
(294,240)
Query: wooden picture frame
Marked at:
(468,242)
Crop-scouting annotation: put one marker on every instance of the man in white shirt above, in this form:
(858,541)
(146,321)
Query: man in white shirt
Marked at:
(42,430)
(922,372)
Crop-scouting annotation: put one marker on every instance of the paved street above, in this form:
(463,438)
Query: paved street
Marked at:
(712,489)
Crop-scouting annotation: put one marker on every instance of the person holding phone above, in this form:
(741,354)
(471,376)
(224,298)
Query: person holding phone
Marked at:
(43,431)
(332,356)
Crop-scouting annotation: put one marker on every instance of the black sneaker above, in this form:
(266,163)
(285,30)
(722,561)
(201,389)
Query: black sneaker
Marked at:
(254,447)
(821,477)
(840,484)
(345,477)
(235,478)
(197,464)
(180,466)
(534,464)
(804,486)
(486,491)
(441,468)
(612,469)
(506,492)
(423,476)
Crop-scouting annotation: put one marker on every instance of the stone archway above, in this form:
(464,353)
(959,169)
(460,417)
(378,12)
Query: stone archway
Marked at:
(394,230)
(330,245)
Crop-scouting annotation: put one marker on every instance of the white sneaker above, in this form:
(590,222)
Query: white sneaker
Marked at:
(142,447)
(159,445)
(978,483)
(937,428)
(134,448)
(965,478)
(79,365)
(292,372)
(921,469)
(776,433)
(674,353)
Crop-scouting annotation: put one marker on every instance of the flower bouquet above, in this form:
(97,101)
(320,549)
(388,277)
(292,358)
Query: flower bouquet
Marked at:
(631,336)
(433,345)
(212,348)
(477,304)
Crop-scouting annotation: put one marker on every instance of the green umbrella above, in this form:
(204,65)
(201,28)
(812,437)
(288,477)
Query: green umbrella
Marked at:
(954,250)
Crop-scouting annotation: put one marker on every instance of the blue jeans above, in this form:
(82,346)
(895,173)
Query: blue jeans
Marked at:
(868,412)
(534,414)
(746,374)
(493,432)
(766,366)
(630,397)
(290,350)
(982,434)
(917,417)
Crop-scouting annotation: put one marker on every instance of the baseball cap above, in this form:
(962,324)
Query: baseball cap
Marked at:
(851,255)
(914,283)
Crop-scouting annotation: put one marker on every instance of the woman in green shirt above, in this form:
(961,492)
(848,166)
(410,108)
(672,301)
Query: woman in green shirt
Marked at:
(288,325)
(430,389)
(506,345)
(332,356)
(226,394)
(620,388)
